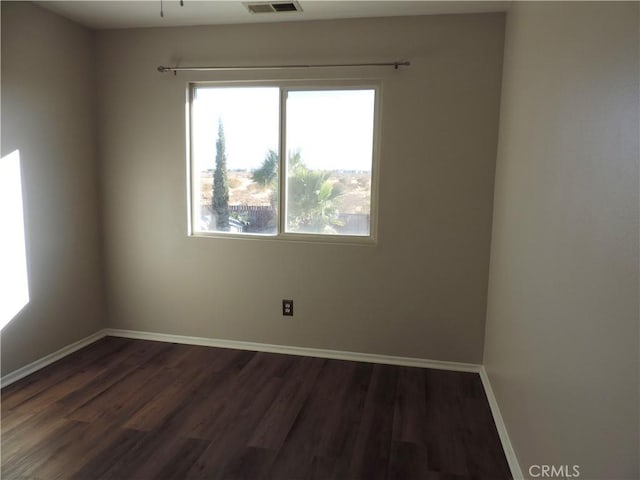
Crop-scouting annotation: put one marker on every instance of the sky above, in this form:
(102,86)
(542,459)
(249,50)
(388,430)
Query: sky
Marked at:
(332,129)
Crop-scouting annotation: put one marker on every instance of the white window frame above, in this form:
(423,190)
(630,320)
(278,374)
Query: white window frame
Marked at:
(285,87)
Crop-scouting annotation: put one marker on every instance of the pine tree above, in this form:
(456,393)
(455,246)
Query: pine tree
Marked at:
(220,185)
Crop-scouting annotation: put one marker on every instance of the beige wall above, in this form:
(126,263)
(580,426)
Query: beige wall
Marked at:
(562,325)
(421,291)
(48,113)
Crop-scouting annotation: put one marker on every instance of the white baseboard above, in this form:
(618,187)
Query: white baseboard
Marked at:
(512,459)
(49,359)
(302,351)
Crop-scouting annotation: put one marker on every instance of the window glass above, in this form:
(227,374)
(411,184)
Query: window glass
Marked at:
(235,137)
(329,161)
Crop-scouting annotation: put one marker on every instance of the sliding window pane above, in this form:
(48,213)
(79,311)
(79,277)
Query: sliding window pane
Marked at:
(329,162)
(235,138)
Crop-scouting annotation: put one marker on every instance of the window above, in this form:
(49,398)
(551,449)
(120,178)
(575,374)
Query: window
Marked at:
(242,183)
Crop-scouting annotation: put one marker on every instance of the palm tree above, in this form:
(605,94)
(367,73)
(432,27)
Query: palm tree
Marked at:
(267,176)
(311,205)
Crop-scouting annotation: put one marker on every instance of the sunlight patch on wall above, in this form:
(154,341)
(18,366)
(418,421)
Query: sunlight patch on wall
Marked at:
(14,285)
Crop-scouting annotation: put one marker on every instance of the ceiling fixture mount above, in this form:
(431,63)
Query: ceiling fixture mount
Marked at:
(162,9)
(273,7)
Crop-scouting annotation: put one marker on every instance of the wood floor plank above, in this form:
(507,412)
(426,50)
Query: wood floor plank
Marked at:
(338,441)
(170,409)
(249,463)
(257,387)
(93,355)
(373,446)
(60,389)
(26,462)
(133,409)
(407,460)
(12,419)
(142,447)
(303,443)
(408,456)
(75,448)
(275,425)
(26,435)
(410,406)
(109,457)
(172,459)
(446,450)
(124,394)
(119,366)
(343,411)
(322,468)
(252,386)
(222,397)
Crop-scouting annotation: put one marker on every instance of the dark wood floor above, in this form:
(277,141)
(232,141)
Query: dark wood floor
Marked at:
(133,409)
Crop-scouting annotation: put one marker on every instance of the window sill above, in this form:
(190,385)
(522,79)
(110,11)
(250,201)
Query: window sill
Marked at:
(350,240)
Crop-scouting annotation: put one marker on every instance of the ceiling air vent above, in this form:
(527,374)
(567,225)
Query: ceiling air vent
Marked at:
(273,7)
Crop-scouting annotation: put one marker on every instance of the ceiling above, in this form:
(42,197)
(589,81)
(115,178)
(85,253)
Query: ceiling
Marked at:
(134,14)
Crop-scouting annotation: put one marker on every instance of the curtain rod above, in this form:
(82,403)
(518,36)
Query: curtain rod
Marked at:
(395,65)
